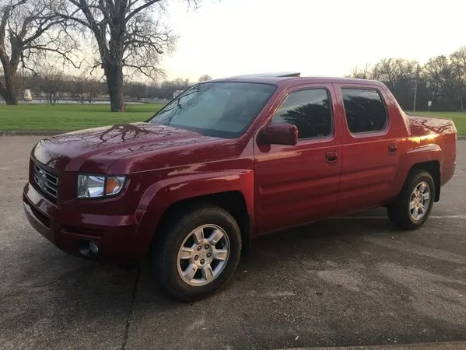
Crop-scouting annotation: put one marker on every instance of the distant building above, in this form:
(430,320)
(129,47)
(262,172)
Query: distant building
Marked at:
(27,95)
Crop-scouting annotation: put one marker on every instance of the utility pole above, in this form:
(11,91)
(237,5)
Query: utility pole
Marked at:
(415,95)
(415,88)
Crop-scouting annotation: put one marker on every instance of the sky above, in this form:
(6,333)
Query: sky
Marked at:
(224,38)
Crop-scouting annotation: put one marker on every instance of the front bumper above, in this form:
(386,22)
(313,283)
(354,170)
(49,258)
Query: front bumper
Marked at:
(69,229)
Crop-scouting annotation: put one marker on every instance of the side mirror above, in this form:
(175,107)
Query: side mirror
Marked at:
(279,134)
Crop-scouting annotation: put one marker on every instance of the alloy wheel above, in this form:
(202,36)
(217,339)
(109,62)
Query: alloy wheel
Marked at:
(203,255)
(419,201)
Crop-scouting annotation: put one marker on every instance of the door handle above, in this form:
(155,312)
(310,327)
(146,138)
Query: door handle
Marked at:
(392,147)
(331,157)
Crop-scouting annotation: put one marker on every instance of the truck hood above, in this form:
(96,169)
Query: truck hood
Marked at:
(95,150)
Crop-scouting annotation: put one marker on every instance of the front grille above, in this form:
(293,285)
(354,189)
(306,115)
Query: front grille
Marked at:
(45,180)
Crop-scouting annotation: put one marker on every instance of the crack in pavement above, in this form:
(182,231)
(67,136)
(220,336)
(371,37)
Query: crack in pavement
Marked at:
(131,309)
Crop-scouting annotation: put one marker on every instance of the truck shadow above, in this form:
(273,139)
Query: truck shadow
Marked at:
(328,241)
(322,282)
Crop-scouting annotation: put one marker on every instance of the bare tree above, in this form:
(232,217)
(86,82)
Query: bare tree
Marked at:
(205,77)
(86,88)
(168,88)
(441,80)
(438,73)
(92,89)
(364,72)
(400,75)
(393,71)
(28,30)
(128,35)
(137,90)
(458,65)
(53,85)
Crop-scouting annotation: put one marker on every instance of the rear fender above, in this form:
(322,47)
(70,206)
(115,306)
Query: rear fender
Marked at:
(417,155)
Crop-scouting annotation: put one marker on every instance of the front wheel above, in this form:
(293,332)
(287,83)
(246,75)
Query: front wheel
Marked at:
(412,207)
(198,252)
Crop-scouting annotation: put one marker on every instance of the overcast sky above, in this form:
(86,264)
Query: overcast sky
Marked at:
(326,37)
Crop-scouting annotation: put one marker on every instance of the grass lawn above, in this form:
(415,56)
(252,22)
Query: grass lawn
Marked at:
(64,117)
(458,117)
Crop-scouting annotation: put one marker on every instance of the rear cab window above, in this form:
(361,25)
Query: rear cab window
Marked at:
(365,110)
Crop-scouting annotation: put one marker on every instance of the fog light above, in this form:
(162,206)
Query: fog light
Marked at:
(89,248)
(94,248)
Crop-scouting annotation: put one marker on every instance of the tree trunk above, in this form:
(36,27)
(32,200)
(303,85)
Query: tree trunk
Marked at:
(9,91)
(115,88)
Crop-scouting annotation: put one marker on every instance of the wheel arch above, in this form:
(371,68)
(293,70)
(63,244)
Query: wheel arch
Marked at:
(233,202)
(426,157)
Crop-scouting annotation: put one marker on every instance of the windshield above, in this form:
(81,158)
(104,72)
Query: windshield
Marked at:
(223,109)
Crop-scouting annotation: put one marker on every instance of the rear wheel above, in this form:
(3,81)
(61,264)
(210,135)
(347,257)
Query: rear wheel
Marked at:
(412,207)
(198,253)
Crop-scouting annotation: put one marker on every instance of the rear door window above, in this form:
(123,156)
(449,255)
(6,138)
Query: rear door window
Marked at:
(365,110)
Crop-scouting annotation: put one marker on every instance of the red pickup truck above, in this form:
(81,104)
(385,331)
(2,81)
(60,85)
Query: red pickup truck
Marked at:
(229,160)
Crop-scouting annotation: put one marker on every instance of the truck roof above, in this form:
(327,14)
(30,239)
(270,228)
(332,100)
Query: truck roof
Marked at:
(290,81)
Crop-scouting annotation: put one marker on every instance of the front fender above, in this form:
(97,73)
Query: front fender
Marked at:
(161,195)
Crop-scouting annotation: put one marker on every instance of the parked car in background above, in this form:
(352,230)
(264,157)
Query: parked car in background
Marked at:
(229,160)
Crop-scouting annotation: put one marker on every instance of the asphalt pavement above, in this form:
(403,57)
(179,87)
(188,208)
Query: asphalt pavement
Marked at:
(349,281)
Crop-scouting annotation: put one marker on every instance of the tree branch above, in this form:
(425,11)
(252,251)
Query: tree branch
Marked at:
(139,9)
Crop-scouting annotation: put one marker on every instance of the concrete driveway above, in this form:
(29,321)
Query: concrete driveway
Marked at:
(347,281)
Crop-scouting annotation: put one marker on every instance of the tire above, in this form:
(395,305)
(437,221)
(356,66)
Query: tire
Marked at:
(405,211)
(219,246)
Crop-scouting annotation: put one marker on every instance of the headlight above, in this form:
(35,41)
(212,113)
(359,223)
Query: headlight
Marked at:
(97,186)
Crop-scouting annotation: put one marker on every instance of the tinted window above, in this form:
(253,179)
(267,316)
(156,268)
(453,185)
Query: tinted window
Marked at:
(309,110)
(216,109)
(365,110)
